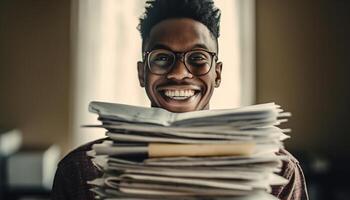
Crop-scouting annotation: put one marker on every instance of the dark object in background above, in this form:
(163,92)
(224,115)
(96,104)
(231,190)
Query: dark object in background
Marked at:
(29,173)
(326,177)
(33,167)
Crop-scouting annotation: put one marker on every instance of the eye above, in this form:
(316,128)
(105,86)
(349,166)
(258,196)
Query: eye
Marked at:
(161,59)
(198,58)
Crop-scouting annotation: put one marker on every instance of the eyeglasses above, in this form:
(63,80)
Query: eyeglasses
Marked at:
(198,62)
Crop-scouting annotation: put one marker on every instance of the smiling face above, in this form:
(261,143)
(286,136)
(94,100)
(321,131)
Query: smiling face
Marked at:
(179,90)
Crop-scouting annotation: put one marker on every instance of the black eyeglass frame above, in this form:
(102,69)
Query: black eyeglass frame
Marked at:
(180,55)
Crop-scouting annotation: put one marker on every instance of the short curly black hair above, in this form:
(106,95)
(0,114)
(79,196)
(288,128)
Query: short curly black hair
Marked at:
(202,11)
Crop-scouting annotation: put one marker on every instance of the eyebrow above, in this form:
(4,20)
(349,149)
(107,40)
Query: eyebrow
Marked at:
(163,46)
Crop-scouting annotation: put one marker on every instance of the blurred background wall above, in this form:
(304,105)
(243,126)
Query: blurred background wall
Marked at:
(35,69)
(303,63)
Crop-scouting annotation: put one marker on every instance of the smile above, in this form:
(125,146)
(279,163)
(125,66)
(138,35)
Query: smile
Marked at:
(179,94)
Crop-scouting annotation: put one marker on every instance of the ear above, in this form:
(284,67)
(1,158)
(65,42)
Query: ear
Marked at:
(218,69)
(141,73)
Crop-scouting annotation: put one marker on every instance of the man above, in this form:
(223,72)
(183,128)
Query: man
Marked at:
(179,72)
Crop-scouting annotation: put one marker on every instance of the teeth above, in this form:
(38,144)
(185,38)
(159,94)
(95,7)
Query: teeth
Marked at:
(179,94)
(182,93)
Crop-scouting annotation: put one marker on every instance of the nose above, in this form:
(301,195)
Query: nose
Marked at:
(179,71)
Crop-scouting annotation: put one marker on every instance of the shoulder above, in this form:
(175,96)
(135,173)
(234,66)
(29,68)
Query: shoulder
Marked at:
(72,174)
(295,189)
(79,154)
(77,165)
(290,164)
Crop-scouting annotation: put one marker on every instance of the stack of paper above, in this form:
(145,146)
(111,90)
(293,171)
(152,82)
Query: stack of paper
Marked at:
(213,154)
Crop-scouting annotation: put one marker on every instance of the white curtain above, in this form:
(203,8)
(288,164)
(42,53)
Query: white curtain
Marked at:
(107,45)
